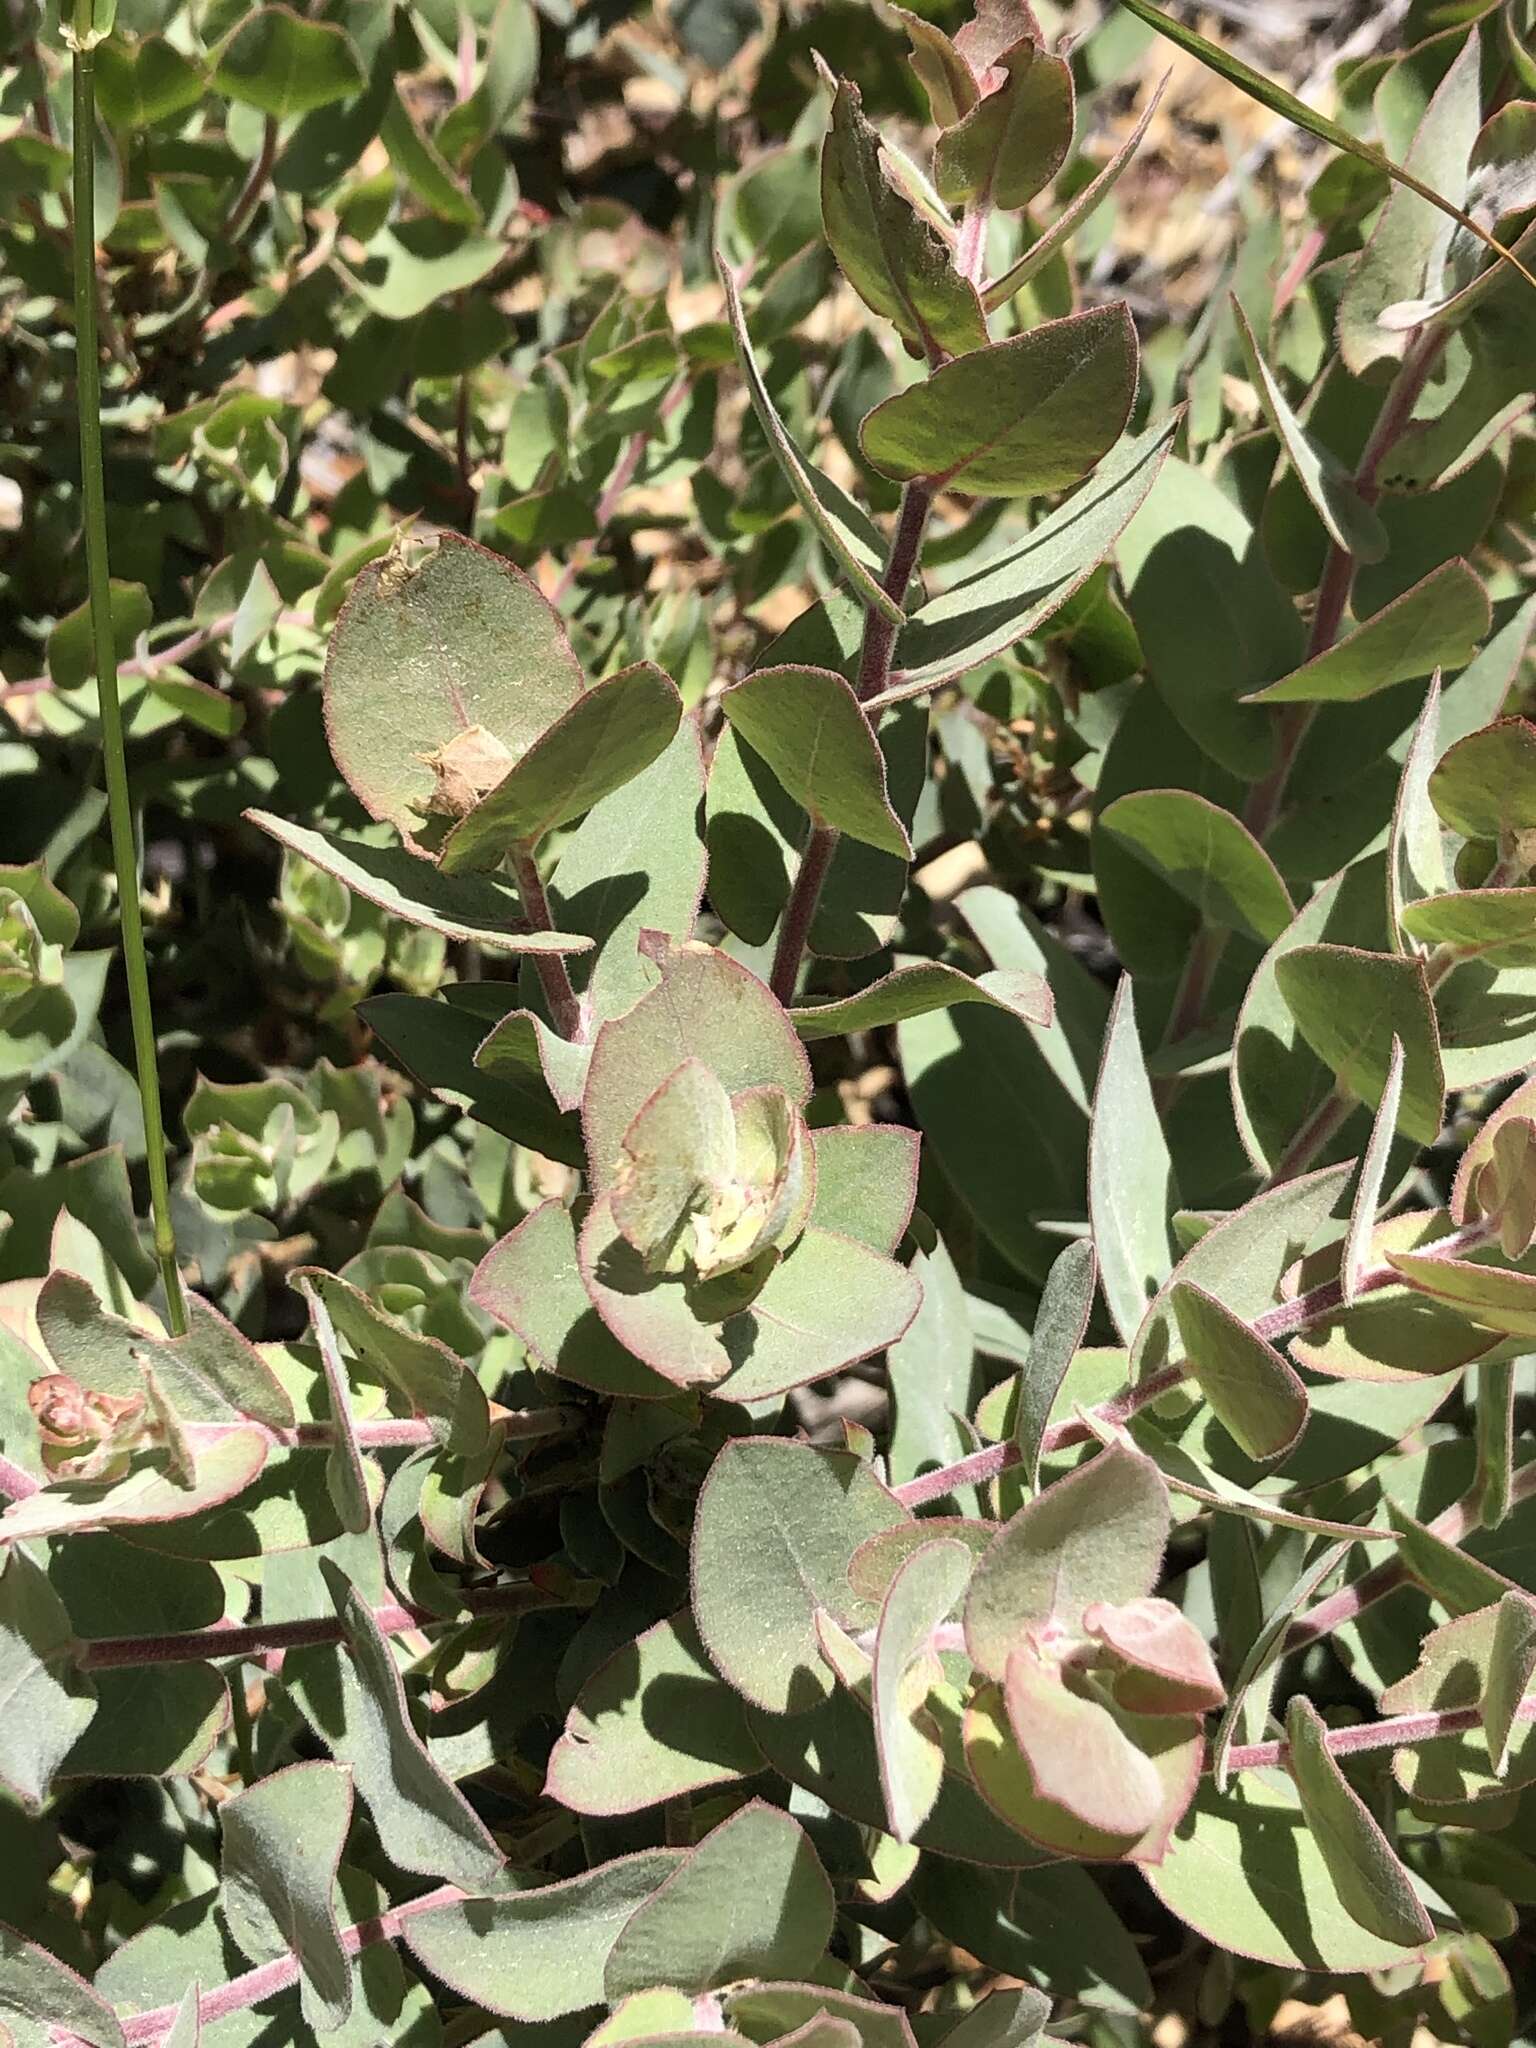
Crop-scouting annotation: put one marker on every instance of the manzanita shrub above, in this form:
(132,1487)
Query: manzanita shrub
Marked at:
(840,1343)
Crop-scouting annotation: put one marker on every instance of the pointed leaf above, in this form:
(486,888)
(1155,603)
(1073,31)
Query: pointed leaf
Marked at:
(915,991)
(1436,624)
(611,734)
(1415,853)
(1016,419)
(1077,212)
(344,1471)
(1207,855)
(895,259)
(922,1593)
(420,1369)
(984,613)
(365,1722)
(844,529)
(1454,1671)
(1373,1173)
(1259,1399)
(534,1955)
(1511,1667)
(1349,1006)
(1061,1323)
(1130,1174)
(1371,1883)
(1405,256)
(812,731)
(282,1844)
(1350,522)
(1490,1294)
(1279,101)
(750,1901)
(478,908)
(776,1527)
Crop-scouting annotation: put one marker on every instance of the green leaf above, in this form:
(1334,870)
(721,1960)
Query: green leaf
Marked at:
(531,1282)
(1496,925)
(1286,104)
(1213,622)
(1010,596)
(150,1494)
(1053,1927)
(213,1374)
(1454,1671)
(1010,145)
(1393,1333)
(768,2012)
(611,734)
(480,909)
(1061,1323)
(1246,1872)
(1495,1297)
(895,259)
(812,731)
(283,65)
(140,83)
(49,1700)
(1486,783)
(438,1042)
(918,989)
(1436,624)
(415,264)
(356,1703)
(942,71)
(777,1523)
(635,863)
(420,1369)
(655,1722)
(1131,1190)
(39,1995)
(1373,1173)
(843,527)
(922,1594)
(345,1473)
(829,1751)
(1019,418)
(1096,1535)
(1405,258)
(72,645)
(282,1844)
(1077,212)
(533,1955)
(1207,855)
(435,643)
(1511,1667)
(750,1901)
(1415,852)
(1349,1005)
(703,1000)
(1371,1883)
(187,2027)
(1259,1399)
(416,157)
(151,1722)
(1350,522)
(866,1183)
(1003,2019)
(1241,1260)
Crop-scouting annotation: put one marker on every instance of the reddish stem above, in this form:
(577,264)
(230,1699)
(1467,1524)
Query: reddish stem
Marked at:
(223,1640)
(1396,1733)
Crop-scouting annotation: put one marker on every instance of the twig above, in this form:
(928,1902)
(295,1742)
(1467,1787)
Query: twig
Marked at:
(1286,1319)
